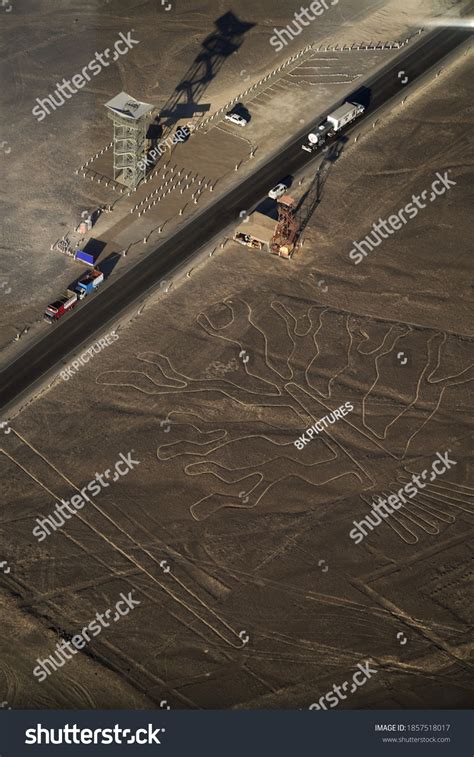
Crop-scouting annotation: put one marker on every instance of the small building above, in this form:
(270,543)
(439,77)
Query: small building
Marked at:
(256,232)
(130,119)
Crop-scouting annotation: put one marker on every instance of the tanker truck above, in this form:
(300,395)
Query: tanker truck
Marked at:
(334,122)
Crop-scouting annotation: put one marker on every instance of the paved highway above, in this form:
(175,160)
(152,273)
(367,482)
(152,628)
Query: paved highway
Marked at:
(34,365)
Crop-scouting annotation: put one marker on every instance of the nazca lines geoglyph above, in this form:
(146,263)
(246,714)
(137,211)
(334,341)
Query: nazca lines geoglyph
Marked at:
(297,380)
(299,368)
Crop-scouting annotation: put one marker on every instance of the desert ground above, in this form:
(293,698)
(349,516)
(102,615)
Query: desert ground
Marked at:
(252,593)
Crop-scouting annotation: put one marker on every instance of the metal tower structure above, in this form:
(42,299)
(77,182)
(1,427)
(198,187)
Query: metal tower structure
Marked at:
(285,239)
(130,120)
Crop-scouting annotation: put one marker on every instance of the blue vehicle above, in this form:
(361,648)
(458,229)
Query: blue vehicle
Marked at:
(88,283)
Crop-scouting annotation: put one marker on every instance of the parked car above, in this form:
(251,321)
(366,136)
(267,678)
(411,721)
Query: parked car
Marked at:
(235,118)
(278,191)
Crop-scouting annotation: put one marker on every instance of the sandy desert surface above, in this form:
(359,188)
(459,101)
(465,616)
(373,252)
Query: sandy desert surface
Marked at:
(267,600)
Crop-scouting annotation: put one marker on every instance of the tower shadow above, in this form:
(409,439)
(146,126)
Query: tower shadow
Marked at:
(313,196)
(216,48)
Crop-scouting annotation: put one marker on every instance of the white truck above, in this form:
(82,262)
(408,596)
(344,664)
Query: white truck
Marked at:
(334,122)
